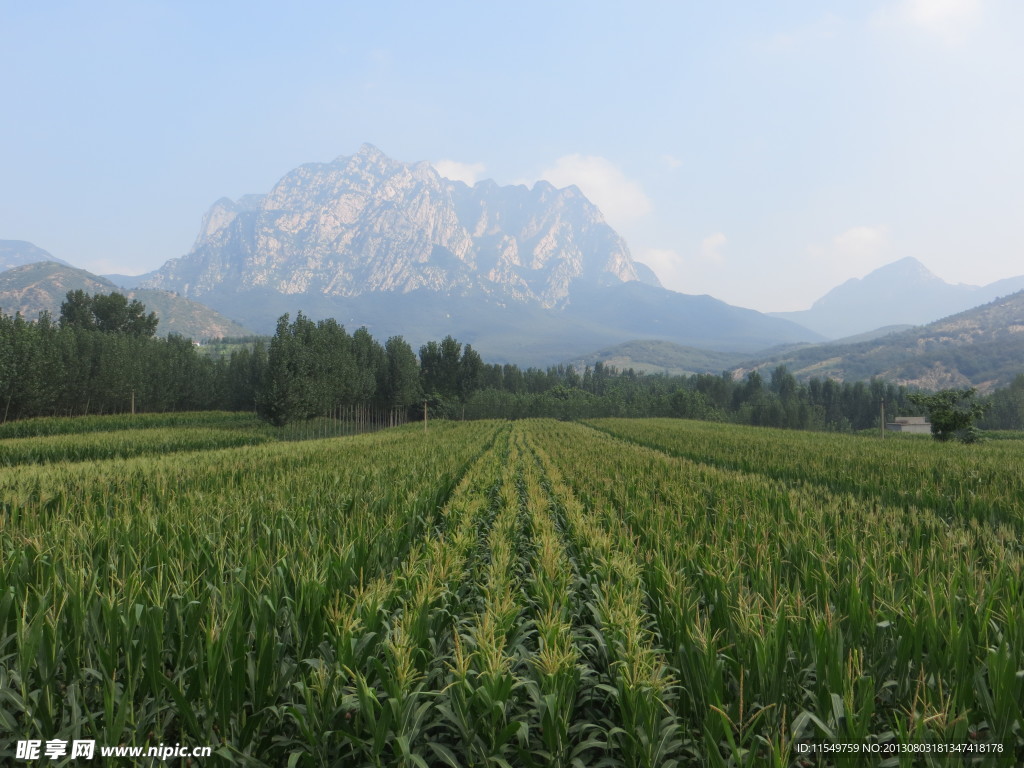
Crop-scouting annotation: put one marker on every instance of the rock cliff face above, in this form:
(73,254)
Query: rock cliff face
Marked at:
(368,223)
(527,275)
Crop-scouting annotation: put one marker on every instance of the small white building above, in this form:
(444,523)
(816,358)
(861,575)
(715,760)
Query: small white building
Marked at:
(917,425)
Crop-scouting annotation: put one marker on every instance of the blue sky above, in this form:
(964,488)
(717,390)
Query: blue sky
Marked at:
(758,152)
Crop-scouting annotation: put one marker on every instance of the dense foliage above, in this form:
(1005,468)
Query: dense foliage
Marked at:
(314,369)
(1005,407)
(780,401)
(83,365)
(47,369)
(308,369)
(952,413)
(110,312)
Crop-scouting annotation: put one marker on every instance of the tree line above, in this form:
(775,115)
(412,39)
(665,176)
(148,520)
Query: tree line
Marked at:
(776,401)
(102,356)
(77,366)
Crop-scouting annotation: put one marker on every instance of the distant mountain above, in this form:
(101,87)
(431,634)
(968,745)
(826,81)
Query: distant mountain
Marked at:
(982,347)
(646,275)
(17,253)
(660,357)
(885,330)
(529,275)
(34,288)
(367,223)
(634,310)
(128,282)
(42,286)
(901,293)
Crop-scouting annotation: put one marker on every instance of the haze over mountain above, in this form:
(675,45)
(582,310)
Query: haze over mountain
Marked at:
(660,357)
(367,223)
(17,253)
(42,286)
(532,274)
(528,275)
(981,347)
(904,292)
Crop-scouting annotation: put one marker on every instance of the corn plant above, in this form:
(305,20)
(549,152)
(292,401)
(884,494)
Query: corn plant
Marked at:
(537,593)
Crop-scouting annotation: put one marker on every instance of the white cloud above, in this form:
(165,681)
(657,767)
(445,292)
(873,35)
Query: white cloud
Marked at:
(711,247)
(933,13)
(668,265)
(683,273)
(859,244)
(671,161)
(456,171)
(621,201)
(946,19)
(852,253)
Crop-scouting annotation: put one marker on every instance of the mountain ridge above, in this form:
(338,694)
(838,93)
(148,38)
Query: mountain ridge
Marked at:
(903,292)
(366,223)
(34,288)
(655,357)
(534,271)
(18,253)
(980,347)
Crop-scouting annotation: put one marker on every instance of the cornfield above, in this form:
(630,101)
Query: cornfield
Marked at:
(536,593)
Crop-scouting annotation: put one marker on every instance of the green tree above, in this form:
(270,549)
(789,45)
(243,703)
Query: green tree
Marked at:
(370,363)
(1006,407)
(244,377)
(282,398)
(115,314)
(76,310)
(402,381)
(470,372)
(110,312)
(952,413)
(334,365)
(440,366)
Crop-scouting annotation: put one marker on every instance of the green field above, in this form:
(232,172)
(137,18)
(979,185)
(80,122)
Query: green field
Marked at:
(533,593)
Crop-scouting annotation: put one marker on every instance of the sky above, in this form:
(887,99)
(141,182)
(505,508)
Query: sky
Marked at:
(761,153)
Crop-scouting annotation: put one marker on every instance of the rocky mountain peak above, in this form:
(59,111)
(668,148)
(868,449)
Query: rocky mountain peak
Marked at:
(367,223)
(908,268)
(904,292)
(891,279)
(369,153)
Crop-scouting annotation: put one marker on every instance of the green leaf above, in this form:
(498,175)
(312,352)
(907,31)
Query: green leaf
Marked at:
(801,721)
(445,754)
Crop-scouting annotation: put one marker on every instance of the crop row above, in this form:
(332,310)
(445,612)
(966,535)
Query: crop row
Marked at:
(98,446)
(796,613)
(986,481)
(62,425)
(536,593)
(506,655)
(172,600)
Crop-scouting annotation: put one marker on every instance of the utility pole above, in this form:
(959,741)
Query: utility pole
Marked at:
(424,415)
(881,424)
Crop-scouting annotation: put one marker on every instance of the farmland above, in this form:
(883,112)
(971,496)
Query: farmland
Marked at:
(622,593)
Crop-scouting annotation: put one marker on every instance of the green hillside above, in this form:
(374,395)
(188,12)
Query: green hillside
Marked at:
(655,356)
(982,347)
(42,286)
